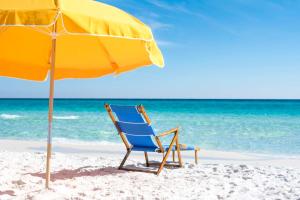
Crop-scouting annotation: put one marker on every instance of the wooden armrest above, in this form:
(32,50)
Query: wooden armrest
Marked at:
(171,131)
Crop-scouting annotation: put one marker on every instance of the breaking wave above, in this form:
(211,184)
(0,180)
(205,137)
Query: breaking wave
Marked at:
(70,117)
(9,116)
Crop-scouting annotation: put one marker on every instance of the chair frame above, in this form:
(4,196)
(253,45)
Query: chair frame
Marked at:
(174,141)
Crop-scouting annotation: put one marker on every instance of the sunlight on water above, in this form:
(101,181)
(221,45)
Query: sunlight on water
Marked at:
(236,125)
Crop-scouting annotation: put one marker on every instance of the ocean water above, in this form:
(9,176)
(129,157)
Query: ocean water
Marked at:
(260,126)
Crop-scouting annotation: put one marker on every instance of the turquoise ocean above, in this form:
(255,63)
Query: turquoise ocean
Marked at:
(257,126)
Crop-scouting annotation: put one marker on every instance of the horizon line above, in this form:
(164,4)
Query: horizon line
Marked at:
(72,98)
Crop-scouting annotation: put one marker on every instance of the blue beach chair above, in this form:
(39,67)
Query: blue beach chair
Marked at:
(134,128)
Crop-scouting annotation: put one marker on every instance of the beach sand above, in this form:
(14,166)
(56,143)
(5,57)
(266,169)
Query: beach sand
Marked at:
(89,171)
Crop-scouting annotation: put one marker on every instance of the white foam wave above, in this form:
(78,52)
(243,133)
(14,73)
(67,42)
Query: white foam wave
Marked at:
(70,117)
(9,116)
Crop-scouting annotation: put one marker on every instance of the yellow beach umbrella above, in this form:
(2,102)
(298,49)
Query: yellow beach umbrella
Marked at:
(70,39)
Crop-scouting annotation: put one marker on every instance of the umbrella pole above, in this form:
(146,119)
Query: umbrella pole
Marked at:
(50,113)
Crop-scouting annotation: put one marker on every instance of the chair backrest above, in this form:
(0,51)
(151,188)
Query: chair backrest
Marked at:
(132,124)
(127,113)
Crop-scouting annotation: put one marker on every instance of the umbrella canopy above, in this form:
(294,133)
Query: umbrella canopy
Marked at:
(70,39)
(92,39)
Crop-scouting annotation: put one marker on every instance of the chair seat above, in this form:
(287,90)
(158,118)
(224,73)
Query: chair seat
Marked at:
(183,147)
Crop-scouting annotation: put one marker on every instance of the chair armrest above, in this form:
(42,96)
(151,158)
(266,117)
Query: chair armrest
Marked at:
(171,131)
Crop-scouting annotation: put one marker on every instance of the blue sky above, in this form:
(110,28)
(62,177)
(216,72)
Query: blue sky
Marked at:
(212,49)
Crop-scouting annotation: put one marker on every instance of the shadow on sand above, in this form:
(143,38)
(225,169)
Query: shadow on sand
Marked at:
(7,192)
(80,172)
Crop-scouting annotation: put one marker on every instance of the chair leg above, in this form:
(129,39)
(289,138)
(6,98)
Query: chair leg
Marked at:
(178,153)
(167,154)
(146,158)
(173,155)
(196,156)
(163,163)
(179,158)
(125,158)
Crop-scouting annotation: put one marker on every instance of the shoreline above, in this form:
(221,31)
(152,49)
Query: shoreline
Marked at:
(118,150)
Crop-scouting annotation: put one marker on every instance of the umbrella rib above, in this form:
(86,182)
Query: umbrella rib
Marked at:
(114,65)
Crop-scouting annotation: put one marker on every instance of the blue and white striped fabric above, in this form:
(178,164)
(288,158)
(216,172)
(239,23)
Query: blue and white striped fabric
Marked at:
(127,113)
(138,133)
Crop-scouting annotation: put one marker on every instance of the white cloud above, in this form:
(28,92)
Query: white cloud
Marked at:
(155,25)
(180,7)
(166,43)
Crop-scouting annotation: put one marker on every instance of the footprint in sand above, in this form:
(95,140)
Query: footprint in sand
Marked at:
(18,182)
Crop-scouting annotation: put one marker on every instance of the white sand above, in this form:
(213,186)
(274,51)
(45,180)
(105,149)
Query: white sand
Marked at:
(89,171)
